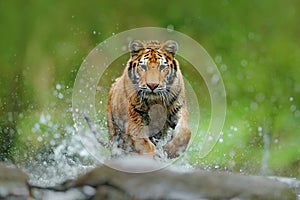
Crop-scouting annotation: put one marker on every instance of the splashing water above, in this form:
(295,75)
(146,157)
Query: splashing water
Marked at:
(67,161)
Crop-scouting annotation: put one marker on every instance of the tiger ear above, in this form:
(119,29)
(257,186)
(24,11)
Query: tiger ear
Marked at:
(135,46)
(171,46)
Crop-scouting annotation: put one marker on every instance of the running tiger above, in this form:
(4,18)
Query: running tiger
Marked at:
(148,100)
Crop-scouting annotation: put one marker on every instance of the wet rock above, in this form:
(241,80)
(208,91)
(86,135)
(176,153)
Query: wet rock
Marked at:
(13,183)
(170,183)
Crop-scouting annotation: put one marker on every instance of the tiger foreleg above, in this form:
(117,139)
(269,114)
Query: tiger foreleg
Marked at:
(181,138)
(140,139)
(143,145)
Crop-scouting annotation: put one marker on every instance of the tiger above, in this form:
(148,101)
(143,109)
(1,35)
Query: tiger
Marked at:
(147,100)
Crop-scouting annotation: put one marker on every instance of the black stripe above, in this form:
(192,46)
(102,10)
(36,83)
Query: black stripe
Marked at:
(145,116)
(174,98)
(131,72)
(171,76)
(174,64)
(172,120)
(176,109)
(130,66)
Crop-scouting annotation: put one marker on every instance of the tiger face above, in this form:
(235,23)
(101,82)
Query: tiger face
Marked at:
(152,67)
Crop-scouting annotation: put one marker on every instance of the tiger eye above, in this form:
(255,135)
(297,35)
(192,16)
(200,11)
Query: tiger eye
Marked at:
(162,67)
(143,67)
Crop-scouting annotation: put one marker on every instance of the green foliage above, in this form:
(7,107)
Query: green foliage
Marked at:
(255,45)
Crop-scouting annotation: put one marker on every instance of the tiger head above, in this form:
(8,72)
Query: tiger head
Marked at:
(152,67)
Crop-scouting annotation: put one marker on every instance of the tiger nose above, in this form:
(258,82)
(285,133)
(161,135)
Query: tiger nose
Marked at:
(152,86)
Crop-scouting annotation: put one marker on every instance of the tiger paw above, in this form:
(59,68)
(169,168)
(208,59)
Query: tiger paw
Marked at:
(173,151)
(143,146)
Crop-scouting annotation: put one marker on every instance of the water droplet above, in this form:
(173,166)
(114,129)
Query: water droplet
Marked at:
(293,108)
(251,36)
(210,69)
(170,28)
(36,126)
(42,119)
(10,116)
(260,97)
(58,86)
(124,48)
(94,32)
(48,117)
(60,95)
(254,106)
(40,139)
(223,67)
(259,129)
(217,167)
(297,113)
(52,142)
(218,58)
(233,128)
(244,62)
(215,78)
(291,98)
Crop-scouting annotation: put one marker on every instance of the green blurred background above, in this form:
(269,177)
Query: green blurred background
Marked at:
(255,45)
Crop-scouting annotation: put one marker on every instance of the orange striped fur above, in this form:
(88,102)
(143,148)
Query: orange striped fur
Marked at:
(148,100)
